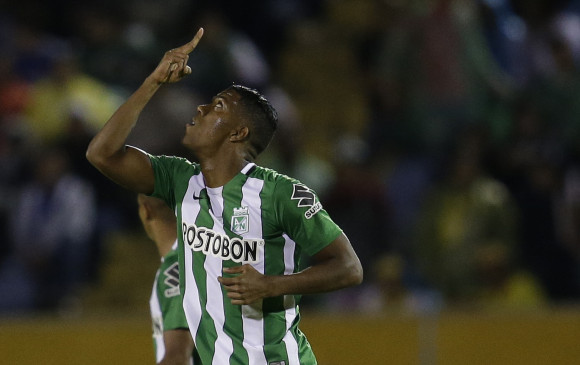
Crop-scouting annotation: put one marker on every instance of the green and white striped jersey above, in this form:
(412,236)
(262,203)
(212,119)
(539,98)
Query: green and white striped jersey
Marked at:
(262,218)
(166,302)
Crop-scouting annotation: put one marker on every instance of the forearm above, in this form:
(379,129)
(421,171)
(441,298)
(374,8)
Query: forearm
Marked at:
(178,347)
(112,137)
(110,141)
(336,266)
(176,359)
(319,278)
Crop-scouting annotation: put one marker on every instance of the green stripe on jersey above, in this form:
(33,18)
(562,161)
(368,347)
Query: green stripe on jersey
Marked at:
(259,218)
(274,313)
(206,333)
(232,197)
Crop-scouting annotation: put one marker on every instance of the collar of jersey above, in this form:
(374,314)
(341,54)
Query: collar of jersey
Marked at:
(245,171)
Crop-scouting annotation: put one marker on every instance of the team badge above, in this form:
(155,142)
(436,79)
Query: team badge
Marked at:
(240,220)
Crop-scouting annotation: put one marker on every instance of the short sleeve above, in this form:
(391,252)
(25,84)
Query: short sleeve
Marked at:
(172,300)
(166,170)
(173,314)
(301,215)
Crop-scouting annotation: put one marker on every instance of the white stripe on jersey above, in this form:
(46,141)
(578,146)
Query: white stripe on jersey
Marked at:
(252,315)
(290,303)
(215,302)
(215,308)
(289,340)
(157,319)
(189,213)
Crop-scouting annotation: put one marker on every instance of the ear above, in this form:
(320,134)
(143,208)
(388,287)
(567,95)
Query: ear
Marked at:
(147,210)
(239,134)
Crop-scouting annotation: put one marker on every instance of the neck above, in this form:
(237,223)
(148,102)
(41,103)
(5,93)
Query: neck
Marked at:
(164,237)
(219,171)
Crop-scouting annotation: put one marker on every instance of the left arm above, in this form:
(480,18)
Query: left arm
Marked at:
(178,347)
(335,267)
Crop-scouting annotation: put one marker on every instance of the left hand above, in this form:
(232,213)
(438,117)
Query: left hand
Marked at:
(245,288)
(173,66)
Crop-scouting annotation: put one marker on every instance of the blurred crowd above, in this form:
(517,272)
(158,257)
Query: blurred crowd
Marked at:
(443,136)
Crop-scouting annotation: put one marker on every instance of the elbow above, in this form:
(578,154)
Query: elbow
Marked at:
(357,274)
(96,157)
(353,274)
(91,155)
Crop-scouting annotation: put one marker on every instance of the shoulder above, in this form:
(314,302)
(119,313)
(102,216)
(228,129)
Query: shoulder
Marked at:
(171,256)
(173,162)
(284,188)
(271,176)
(172,159)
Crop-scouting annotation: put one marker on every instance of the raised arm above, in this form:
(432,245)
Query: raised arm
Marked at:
(125,165)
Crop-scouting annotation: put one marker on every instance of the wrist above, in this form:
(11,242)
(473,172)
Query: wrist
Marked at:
(151,83)
(274,285)
(147,89)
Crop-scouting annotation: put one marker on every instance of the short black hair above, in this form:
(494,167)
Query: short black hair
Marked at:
(260,113)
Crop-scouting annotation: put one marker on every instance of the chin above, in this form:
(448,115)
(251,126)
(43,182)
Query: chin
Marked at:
(188,145)
(185,142)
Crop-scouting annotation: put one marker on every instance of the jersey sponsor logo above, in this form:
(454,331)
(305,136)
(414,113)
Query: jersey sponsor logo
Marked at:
(306,198)
(219,245)
(240,221)
(277,363)
(171,280)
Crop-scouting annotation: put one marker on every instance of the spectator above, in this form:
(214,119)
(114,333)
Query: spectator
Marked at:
(66,90)
(53,222)
(464,213)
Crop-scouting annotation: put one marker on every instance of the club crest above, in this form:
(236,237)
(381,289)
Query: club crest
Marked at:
(240,221)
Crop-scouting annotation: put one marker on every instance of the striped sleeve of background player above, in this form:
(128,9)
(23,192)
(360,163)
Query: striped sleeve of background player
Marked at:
(172,308)
(302,216)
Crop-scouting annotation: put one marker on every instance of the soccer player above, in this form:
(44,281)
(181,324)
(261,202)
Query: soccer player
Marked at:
(172,340)
(241,228)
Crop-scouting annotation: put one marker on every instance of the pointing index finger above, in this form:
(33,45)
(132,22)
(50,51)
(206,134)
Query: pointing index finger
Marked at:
(190,46)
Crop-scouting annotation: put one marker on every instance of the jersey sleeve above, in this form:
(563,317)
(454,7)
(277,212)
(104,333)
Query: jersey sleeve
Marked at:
(300,214)
(173,314)
(165,170)
(169,291)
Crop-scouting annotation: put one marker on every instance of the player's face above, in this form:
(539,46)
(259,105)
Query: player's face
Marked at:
(211,126)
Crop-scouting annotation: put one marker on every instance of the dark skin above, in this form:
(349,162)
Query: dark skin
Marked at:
(219,137)
(178,347)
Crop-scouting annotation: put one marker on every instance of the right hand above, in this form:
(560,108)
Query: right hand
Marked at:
(173,66)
